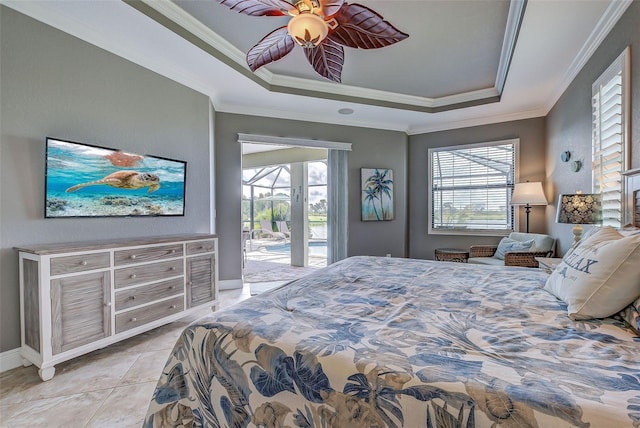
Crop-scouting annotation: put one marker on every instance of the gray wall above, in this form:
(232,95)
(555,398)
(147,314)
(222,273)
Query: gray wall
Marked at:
(371,148)
(569,122)
(56,85)
(532,160)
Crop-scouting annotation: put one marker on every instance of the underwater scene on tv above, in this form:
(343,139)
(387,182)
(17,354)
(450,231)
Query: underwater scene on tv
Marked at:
(91,181)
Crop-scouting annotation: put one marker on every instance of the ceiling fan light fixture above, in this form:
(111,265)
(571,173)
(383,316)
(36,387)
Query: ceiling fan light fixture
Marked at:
(352,25)
(307,29)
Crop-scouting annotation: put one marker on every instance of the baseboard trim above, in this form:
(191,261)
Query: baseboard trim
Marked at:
(10,360)
(230,284)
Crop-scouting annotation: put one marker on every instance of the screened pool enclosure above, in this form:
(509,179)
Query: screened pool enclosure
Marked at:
(267,204)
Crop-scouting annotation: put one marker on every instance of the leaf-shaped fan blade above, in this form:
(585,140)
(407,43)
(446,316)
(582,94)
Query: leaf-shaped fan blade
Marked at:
(329,7)
(272,47)
(361,27)
(327,59)
(259,7)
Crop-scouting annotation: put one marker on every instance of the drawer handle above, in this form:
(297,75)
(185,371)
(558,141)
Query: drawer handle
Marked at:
(172,307)
(132,257)
(132,298)
(108,304)
(173,287)
(190,283)
(83,263)
(134,319)
(133,276)
(172,268)
(173,251)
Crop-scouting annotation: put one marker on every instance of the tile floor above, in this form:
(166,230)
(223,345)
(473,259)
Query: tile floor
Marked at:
(110,387)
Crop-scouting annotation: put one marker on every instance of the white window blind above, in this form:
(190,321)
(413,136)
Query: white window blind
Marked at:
(471,188)
(609,142)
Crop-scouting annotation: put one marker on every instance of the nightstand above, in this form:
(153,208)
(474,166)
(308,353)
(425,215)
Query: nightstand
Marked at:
(548,264)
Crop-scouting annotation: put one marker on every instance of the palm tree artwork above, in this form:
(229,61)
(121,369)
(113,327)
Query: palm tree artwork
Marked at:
(377,194)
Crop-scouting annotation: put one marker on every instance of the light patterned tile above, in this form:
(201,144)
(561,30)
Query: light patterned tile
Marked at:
(125,407)
(90,372)
(73,410)
(147,368)
(164,339)
(6,412)
(16,381)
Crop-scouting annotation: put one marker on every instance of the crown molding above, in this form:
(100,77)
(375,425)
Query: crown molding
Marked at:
(607,21)
(514,22)
(477,121)
(287,115)
(390,126)
(226,52)
(348,91)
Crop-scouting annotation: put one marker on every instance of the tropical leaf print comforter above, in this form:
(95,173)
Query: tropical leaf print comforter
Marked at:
(382,342)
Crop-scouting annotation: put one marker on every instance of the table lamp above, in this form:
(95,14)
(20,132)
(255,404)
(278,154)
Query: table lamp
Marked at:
(528,194)
(579,209)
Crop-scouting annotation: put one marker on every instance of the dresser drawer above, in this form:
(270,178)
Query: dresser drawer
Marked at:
(146,273)
(148,293)
(147,254)
(200,247)
(71,264)
(137,317)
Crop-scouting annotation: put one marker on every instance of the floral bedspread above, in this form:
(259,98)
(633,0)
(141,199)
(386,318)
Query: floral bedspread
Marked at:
(383,342)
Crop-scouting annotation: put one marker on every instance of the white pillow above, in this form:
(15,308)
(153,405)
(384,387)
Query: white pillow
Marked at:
(586,235)
(507,245)
(600,277)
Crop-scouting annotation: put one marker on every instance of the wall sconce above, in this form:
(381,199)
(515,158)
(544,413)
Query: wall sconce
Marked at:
(576,165)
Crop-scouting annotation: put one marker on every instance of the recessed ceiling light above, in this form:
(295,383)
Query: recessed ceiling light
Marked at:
(345,111)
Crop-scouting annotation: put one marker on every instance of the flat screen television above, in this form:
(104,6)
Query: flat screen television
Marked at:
(83,180)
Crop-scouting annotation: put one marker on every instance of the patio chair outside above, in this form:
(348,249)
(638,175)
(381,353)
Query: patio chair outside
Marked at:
(283,228)
(267,229)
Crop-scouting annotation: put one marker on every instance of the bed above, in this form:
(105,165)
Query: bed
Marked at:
(384,342)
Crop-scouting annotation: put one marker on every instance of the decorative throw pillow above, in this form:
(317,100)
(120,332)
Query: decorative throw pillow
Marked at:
(631,314)
(600,277)
(507,244)
(586,235)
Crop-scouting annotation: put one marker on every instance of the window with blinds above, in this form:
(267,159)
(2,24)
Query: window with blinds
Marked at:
(470,188)
(609,138)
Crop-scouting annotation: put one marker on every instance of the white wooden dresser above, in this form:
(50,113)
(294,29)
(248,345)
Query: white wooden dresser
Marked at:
(79,297)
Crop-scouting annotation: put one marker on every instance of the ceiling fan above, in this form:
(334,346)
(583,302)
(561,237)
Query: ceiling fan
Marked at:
(321,27)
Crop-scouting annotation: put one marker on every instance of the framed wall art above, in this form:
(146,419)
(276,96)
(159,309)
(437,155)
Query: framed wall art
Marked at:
(376,194)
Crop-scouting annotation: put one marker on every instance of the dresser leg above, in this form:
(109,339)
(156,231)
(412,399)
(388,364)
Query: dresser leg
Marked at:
(47,373)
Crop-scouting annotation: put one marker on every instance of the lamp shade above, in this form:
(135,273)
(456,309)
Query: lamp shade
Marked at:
(579,209)
(528,194)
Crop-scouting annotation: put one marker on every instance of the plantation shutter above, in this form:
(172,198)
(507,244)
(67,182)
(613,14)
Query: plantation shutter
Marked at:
(608,140)
(471,187)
